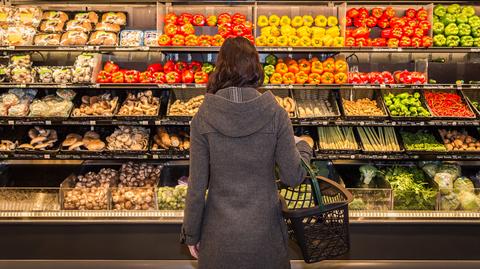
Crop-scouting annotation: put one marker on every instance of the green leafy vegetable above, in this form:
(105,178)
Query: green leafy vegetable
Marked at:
(421,141)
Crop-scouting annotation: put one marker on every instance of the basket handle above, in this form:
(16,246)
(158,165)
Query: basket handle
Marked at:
(317,194)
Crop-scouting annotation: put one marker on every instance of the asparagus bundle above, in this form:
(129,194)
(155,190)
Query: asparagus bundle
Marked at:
(378,138)
(336,138)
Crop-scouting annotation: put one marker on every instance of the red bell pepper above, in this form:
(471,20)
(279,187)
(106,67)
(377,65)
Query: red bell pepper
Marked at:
(187,76)
(412,23)
(195,66)
(416,42)
(224,29)
(173,77)
(377,12)
(132,76)
(379,42)
(398,22)
(156,67)
(170,18)
(422,14)
(187,29)
(383,22)
(118,77)
(159,78)
(405,41)
(198,20)
(359,21)
(396,33)
(164,40)
(201,77)
(348,32)
(418,32)
(411,13)
(418,78)
(104,77)
(169,66)
(178,40)
(371,21)
(361,32)
(363,12)
(224,18)
(389,12)
(387,77)
(425,25)
(427,41)
(392,42)
(349,21)
(111,67)
(361,42)
(185,18)
(408,31)
(191,40)
(239,30)
(249,26)
(375,78)
(250,38)
(170,29)
(217,40)
(386,33)
(352,13)
(350,42)
(180,66)
(238,18)
(145,77)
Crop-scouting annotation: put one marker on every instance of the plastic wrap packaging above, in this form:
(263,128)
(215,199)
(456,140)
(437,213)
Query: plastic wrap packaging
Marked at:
(22,75)
(115,17)
(78,25)
(91,17)
(150,38)
(20,35)
(82,70)
(129,38)
(3,37)
(16,102)
(28,16)
(74,38)
(102,38)
(20,60)
(62,74)
(44,74)
(6,14)
(52,105)
(45,39)
(108,27)
(3,73)
(52,26)
(55,15)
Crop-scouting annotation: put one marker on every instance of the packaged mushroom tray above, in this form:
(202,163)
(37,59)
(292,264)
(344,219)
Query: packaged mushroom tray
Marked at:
(142,104)
(362,103)
(83,141)
(316,104)
(58,105)
(96,106)
(38,140)
(88,191)
(128,139)
(185,104)
(171,139)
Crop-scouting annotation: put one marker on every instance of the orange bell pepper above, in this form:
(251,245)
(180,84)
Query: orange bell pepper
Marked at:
(302,60)
(305,66)
(293,68)
(317,67)
(314,58)
(341,78)
(329,65)
(301,77)
(314,78)
(328,78)
(341,66)
(281,68)
(289,78)
(291,61)
(276,78)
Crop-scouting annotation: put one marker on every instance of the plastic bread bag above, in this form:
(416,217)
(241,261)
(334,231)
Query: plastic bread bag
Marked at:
(3,73)
(85,60)
(446,175)
(55,15)
(62,74)
(150,38)
(102,38)
(129,38)
(91,17)
(20,60)
(52,26)
(115,17)
(3,37)
(82,74)
(22,74)
(45,39)
(6,14)
(74,38)
(24,93)
(66,94)
(28,16)
(20,35)
(108,27)
(44,74)
(77,25)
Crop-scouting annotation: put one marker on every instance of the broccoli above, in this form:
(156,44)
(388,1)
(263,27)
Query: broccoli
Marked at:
(367,172)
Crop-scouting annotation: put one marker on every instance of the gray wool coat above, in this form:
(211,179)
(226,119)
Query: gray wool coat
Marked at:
(237,137)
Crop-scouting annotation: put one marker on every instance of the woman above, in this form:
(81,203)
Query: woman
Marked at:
(237,137)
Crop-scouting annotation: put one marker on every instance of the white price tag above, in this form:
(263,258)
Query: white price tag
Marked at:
(155,156)
(475,49)
(290,49)
(184,86)
(63,86)
(92,122)
(48,122)
(46,156)
(158,122)
(144,122)
(11,122)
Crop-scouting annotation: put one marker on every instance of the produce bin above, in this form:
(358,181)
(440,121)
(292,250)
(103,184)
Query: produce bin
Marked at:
(362,143)
(318,101)
(355,94)
(431,131)
(471,131)
(472,96)
(155,93)
(103,131)
(410,91)
(183,96)
(371,199)
(283,93)
(29,199)
(78,101)
(181,132)
(453,91)
(327,149)
(172,188)
(23,138)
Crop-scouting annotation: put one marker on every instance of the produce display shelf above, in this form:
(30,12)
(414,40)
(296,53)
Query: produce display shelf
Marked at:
(400,156)
(199,49)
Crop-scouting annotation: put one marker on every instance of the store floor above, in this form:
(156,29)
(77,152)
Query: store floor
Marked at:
(49,264)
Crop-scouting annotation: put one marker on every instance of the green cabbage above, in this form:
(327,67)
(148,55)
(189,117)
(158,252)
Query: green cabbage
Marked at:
(469,201)
(463,184)
(450,202)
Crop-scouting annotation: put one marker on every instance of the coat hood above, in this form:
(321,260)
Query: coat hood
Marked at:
(232,118)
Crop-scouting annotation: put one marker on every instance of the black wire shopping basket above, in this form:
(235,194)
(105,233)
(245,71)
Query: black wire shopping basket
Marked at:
(316,213)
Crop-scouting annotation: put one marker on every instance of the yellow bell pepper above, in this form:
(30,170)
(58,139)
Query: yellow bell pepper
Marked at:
(286,30)
(320,21)
(318,31)
(307,20)
(305,41)
(271,41)
(282,41)
(274,20)
(332,21)
(262,21)
(338,41)
(333,31)
(285,20)
(304,31)
(327,41)
(317,41)
(293,41)
(266,31)
(297,21)
(261,41)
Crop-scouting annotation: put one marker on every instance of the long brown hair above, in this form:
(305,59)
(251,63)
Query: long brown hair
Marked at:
(237,65)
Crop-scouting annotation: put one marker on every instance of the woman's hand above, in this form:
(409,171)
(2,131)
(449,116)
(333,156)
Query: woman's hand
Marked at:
(194,250)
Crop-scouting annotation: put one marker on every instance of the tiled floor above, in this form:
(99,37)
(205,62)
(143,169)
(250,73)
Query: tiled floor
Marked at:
(191,265)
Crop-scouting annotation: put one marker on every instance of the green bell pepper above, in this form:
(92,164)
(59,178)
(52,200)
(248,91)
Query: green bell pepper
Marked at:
(438,28)
(208,68)
(461,19)
(453,41)
(451,29)
(439,10)
(454,9)
(476,42)
(266,80)
(476,31)
(474,21)
(439,40)
(466,41)
(464,29)
(468,11)
(271,60)
(436,19)
(448,18)
(269,70)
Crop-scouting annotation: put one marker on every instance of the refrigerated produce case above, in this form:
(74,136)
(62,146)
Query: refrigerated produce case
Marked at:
(47,160)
